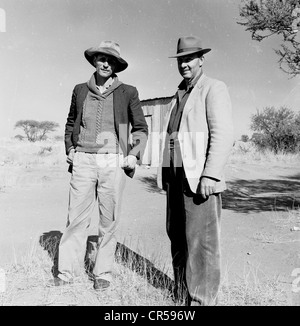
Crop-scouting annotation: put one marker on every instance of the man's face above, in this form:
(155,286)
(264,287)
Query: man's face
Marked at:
(189,65)
(105,65)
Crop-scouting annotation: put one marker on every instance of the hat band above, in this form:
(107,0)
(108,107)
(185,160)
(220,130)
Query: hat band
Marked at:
(189,49)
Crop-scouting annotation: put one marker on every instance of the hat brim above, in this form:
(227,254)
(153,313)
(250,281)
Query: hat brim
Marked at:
(121,63)
(181,54)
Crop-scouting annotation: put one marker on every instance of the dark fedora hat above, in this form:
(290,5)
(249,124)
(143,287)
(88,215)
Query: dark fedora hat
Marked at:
(188,45)
(110,48)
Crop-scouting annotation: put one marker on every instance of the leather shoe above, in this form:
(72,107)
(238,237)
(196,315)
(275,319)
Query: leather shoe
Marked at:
(58,282)
(101,284)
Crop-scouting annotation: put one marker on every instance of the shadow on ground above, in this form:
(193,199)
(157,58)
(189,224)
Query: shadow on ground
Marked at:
(49,241)
(151,184)
(262,195)
(257,195)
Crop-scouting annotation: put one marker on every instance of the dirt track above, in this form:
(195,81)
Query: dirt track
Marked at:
(256,239)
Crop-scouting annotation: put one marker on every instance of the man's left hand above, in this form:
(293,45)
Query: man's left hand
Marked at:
(206,187)
(129,162)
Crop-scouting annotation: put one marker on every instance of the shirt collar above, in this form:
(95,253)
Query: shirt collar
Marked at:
(108,83)
(184,86)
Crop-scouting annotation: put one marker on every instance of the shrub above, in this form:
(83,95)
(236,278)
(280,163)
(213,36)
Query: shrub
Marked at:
(276,129)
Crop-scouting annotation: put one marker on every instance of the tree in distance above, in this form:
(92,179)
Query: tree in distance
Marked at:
(276,129)
(36,130)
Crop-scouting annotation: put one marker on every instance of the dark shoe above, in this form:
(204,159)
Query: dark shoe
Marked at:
(195,303)
(199,303)
(100,284)
(58,282)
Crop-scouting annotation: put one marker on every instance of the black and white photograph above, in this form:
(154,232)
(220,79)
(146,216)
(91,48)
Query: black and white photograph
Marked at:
(150,155)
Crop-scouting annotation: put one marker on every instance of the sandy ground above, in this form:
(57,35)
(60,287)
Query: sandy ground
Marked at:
(261,206)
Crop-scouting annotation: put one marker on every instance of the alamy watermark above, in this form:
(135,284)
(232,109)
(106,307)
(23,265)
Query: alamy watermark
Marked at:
(2,21)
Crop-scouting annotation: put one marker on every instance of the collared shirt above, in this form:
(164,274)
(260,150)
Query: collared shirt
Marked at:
(106,85)
(183,94)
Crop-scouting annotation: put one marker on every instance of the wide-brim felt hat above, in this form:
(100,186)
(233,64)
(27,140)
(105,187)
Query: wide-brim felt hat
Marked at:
(107,47)
(189,45)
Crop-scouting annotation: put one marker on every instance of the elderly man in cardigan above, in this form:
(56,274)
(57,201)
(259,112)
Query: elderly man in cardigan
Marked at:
(198,137)
(103,113)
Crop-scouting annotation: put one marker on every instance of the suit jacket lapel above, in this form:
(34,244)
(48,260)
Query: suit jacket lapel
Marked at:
(118,105)
(81,96)
(190,103)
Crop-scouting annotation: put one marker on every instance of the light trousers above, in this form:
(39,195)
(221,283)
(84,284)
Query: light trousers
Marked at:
(95,178)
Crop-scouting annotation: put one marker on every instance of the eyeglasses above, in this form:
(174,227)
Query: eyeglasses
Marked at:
(103,58)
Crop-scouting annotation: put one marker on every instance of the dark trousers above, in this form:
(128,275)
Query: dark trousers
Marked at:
(193,227)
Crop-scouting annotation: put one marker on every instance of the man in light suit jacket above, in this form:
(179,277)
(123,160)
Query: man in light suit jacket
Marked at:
(197,140)
(103,113)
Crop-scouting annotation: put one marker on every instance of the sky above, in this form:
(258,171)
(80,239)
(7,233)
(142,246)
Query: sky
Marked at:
(43,41)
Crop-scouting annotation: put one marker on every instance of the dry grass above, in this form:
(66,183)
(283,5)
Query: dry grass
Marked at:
(245,293)
(17,156)
(248,153)
(27,284)
(26,154)
(285,223)
(134,284)
(136,281)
